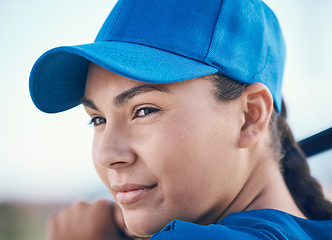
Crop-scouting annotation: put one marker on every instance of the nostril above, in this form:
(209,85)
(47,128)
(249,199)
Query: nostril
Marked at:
(118,164)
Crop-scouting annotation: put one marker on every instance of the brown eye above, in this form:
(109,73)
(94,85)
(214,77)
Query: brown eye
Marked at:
(145,111)
(96,121)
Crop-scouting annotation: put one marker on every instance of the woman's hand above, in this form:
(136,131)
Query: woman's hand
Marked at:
(100,220)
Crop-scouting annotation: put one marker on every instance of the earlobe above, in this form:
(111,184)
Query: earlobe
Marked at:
(257,103)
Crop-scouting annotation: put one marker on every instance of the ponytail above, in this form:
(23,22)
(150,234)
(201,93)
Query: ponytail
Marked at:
(306,191)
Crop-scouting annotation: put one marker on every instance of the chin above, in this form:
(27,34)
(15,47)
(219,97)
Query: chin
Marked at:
(145,225)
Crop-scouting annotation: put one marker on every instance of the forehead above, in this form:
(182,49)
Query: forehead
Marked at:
(99,79)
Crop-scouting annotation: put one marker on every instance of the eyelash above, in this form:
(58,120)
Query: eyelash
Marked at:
(151,111)
(96,121)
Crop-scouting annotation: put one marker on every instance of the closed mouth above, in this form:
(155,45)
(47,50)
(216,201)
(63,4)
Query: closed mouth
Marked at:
(131,193)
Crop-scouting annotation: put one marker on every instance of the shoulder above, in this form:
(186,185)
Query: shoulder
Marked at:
(256,224)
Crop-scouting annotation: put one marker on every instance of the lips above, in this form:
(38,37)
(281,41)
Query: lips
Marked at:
(132,193)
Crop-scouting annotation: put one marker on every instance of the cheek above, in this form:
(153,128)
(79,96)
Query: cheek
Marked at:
(191,143)
(187,158)
(102,172)
(95,147)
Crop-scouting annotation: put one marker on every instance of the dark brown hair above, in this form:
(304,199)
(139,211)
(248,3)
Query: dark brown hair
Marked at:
(306,191)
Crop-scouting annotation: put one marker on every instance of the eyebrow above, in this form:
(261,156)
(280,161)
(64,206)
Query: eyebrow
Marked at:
(88,103)
(131,93)
(124,97)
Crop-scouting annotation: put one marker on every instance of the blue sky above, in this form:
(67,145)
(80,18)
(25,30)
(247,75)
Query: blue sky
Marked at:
(48,156)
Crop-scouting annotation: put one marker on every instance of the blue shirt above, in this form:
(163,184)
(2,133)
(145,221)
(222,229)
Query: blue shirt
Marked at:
(255,224)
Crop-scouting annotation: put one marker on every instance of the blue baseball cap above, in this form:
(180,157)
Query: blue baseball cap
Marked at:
(165,41)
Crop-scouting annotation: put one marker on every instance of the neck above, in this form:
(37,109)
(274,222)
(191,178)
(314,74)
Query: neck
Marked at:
(265,188)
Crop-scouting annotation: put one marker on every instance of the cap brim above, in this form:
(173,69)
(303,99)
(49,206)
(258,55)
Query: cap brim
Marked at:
(57,80)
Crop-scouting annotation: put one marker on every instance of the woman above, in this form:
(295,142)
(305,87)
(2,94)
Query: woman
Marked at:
(190,129)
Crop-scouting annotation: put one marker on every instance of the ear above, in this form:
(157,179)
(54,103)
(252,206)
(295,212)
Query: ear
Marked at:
(257,106)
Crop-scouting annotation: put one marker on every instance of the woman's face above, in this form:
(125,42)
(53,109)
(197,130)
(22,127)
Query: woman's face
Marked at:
(164,151)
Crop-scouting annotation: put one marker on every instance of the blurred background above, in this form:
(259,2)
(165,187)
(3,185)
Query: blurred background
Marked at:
(45,160)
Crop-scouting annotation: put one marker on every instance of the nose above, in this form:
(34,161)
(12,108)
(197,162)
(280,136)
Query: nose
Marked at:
(111,149)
